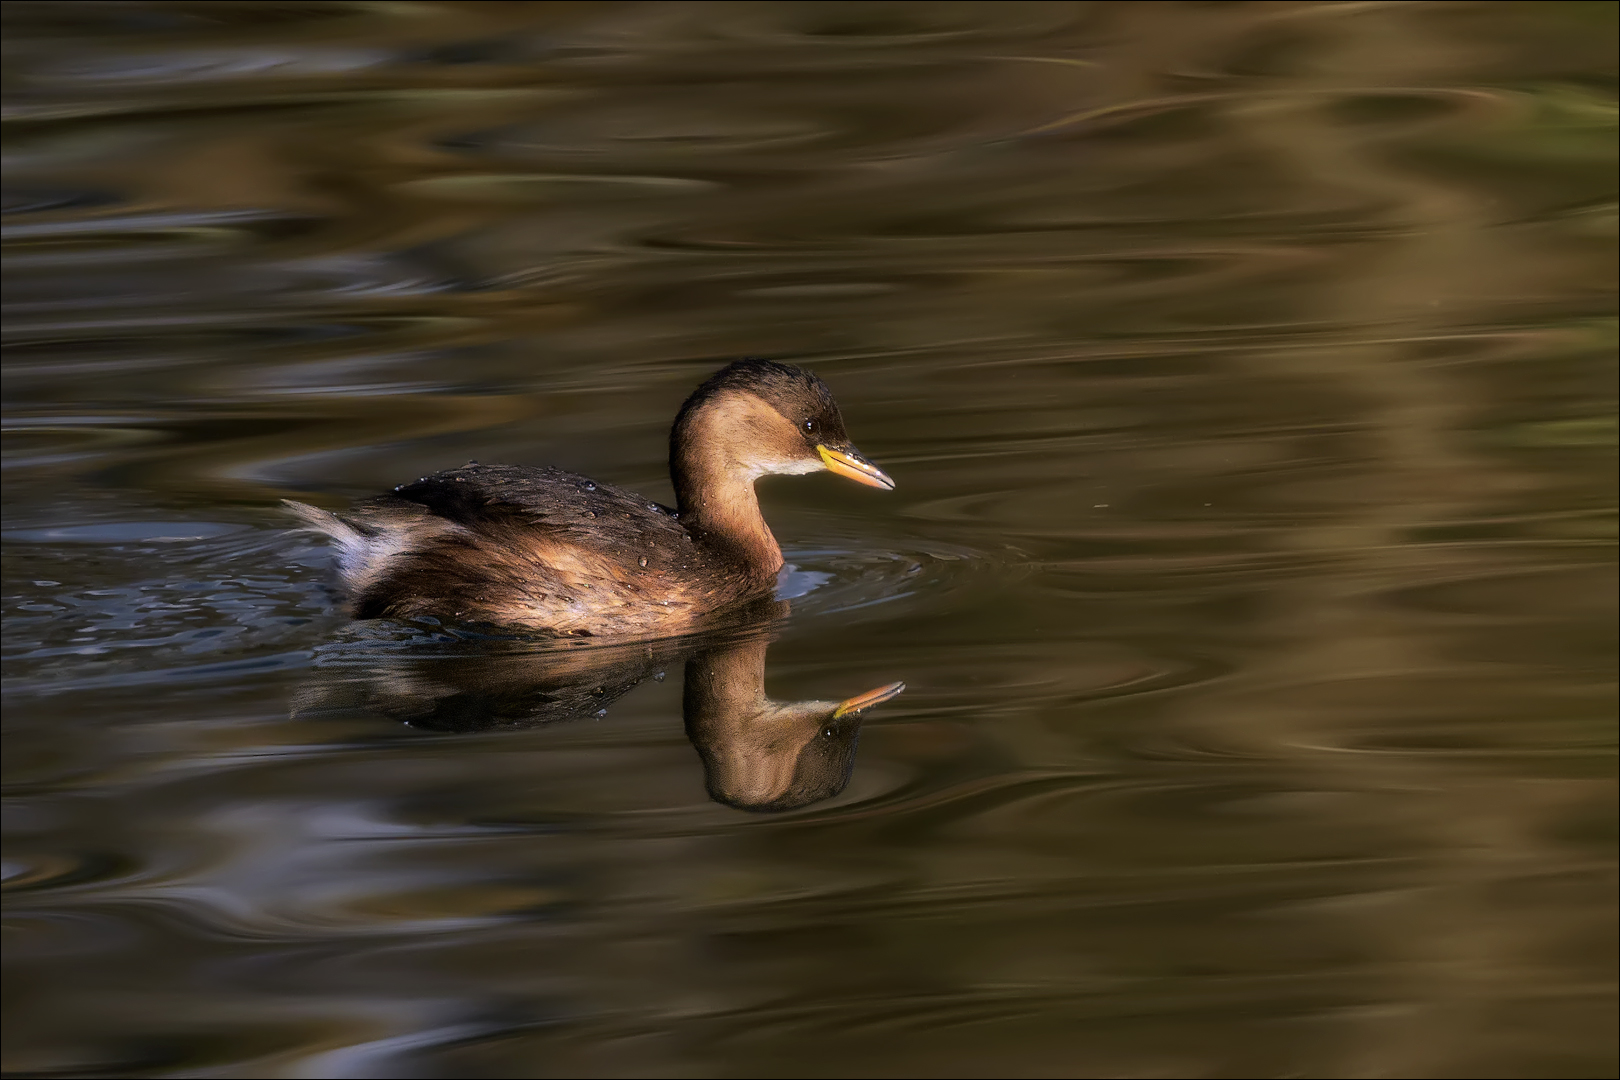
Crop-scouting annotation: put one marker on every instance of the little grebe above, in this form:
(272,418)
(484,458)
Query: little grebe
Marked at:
(544,549)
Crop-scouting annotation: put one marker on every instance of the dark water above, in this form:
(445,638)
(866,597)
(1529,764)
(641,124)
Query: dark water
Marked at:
(1248,375)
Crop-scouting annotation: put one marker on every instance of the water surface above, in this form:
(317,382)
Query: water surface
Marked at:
(1248,376)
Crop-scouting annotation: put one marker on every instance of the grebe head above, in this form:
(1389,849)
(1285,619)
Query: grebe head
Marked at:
(756,418)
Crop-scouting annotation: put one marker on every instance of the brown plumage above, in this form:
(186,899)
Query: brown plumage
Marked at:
(549,550)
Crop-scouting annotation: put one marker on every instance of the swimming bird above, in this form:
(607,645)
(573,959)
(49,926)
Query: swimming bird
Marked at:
(542,549)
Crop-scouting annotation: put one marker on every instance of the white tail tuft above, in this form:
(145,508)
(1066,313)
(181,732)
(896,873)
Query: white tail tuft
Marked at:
(366,547)
(320,520)
(357,551)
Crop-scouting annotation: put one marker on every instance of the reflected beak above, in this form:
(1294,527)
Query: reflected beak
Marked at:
(868,699)
(848,463)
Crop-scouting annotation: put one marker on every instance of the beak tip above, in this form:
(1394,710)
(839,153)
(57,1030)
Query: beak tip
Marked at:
(852,466)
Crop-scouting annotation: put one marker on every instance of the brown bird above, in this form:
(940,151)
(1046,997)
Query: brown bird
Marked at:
(548,550)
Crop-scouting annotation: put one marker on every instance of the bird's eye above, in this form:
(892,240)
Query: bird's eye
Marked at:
(809,425)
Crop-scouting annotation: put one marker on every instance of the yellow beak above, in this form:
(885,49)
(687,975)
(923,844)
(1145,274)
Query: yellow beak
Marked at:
(867,700)
(848,463)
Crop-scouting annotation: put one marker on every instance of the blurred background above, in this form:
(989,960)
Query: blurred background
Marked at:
(1248,374)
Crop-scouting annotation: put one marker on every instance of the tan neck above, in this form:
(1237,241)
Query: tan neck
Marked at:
(715,497)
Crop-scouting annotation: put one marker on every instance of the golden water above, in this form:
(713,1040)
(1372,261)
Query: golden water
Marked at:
(1248,375)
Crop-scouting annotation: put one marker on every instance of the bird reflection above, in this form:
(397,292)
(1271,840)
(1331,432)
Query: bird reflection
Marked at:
(758,754)
(766,755)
